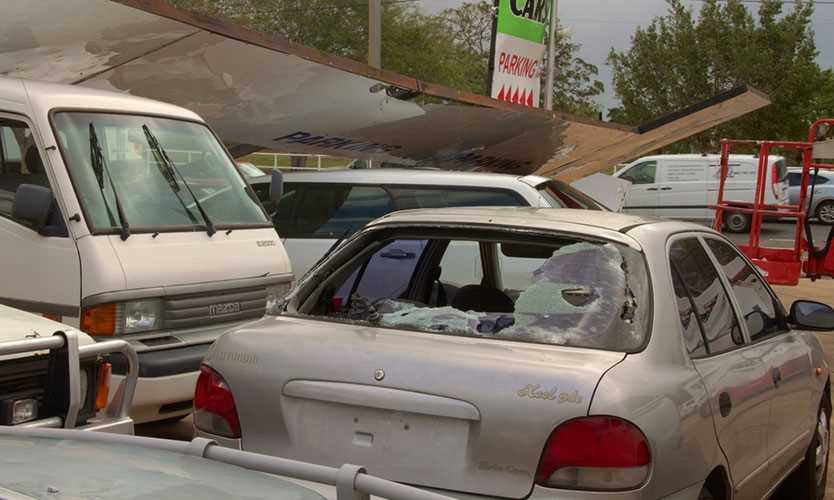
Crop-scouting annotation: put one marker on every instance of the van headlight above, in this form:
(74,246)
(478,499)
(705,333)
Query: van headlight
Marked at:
(275,296)
(122,317)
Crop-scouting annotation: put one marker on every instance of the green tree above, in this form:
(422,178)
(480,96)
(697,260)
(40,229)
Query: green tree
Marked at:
(682,58)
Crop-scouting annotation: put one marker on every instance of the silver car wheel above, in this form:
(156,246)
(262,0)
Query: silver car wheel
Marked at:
(736,222)
(825,212)
(821,453)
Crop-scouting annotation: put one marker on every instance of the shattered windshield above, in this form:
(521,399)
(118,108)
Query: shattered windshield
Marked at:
(562,292)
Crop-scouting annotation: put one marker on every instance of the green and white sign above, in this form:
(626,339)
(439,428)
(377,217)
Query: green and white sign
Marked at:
(519,50)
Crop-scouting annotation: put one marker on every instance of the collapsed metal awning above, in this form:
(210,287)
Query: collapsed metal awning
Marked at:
(264,92)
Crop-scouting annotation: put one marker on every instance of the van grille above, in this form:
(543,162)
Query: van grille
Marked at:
(217,307)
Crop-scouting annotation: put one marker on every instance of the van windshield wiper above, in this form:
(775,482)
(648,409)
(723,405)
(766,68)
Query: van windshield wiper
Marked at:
(172,168)
(100,169)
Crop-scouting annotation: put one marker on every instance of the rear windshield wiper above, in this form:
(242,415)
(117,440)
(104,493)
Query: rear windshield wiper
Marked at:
(100,169)
(173,168)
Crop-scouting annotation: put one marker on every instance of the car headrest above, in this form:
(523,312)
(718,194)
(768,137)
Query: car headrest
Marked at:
(482,298)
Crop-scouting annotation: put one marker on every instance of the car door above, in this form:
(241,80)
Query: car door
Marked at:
(734,372)
(643,195)
(786,356)
(682,190)
(41,272)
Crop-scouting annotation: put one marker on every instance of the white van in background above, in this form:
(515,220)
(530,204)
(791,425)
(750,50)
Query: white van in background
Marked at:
(684,186)
(127,218)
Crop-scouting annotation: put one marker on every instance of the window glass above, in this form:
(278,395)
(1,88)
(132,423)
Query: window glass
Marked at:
(388,273)
(25,168)
(410,197)
(152,192)
(576,292)
(642,173)
(762,312)
(693,337)
(795,179)
(704,285)
(329,210)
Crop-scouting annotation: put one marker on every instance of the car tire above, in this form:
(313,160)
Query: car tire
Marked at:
(735,222)
(825,212)
(808,481)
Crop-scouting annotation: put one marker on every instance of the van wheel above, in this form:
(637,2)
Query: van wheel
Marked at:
(825,212)
(736,222)
(808,481)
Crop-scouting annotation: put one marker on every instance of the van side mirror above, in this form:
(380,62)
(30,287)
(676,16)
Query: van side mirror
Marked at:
(812,315)
(32,204)
(276,187)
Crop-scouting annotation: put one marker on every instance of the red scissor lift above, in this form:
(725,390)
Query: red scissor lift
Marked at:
(783,266)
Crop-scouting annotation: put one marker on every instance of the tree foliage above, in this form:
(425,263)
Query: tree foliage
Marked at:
(682,58)
(450,48)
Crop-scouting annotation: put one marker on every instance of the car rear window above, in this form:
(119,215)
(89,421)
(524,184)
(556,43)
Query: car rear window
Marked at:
(562,291)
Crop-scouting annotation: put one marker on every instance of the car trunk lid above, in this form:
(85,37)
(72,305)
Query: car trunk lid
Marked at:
(453,413)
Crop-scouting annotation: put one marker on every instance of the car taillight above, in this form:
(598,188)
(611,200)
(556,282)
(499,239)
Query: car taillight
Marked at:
(595,453)
(214,405)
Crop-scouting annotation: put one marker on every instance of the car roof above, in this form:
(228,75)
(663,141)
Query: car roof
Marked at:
(49,96)
(798,170)
(610,225)
(39,467)
(413,176)
(696,156)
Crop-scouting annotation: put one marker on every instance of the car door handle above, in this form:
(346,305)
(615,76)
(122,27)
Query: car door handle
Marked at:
(777,376)
(651,189)
(666,189)
(725,404)
(396,253)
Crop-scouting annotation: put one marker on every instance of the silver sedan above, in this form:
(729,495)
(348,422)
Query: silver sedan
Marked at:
(526,352)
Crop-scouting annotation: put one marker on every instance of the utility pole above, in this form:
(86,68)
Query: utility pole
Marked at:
(375,33)
(551,56)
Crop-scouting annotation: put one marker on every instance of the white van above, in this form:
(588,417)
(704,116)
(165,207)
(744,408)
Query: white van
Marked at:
(126,217)
(684,186)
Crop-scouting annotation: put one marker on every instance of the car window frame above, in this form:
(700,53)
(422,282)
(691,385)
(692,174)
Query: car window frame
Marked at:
(758,273)
(47,167)
(725,284)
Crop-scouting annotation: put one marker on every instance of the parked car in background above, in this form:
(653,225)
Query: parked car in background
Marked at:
(51,463)
(684,186)
(126,218)
(823,202)
(319,208)
(636,359)
(52,375)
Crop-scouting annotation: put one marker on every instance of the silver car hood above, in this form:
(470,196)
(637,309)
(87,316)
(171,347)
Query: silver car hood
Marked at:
(433,410)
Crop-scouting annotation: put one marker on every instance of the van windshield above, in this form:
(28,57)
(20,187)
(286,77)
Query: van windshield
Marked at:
(134,180)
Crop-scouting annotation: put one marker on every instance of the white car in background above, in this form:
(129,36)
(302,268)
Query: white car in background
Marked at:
(317,209)
(684,186)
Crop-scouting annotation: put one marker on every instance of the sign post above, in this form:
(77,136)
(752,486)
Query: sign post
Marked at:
(519,50)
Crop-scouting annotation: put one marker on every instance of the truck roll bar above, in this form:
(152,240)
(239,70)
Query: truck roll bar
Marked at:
(65,345)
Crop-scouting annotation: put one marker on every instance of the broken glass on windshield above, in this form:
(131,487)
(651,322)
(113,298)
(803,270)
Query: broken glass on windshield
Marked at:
(569,292)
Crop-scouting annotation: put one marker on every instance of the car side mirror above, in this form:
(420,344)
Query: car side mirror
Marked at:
(812,315)
(32,204)
(276,187)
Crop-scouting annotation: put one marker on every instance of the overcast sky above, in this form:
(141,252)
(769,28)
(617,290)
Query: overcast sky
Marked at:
(601,24)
